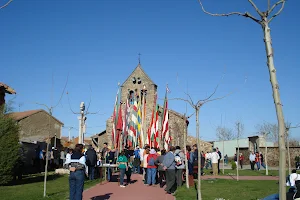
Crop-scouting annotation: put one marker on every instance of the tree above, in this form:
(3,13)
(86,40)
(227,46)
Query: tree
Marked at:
(270,129)
(224,133)
(6,4)
(239,132)
(9,142)
(196,107)
(264,19)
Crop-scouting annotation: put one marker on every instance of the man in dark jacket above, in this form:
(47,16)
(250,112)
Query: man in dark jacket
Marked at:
(91,161)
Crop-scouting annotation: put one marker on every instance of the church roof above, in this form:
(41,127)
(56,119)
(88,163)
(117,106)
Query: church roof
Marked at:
(139,67)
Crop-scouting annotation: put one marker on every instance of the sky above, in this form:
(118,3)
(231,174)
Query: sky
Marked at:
(95,44)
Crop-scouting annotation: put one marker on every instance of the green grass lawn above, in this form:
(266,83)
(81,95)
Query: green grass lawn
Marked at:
(229,190)
(31,188)
(246,172)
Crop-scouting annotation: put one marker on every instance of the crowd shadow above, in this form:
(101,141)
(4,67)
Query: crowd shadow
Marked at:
(102,197)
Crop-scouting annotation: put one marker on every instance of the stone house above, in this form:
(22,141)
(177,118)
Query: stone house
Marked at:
(133,85)
(37,125)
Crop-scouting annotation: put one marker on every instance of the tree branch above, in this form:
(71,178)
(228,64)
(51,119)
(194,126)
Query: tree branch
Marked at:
(6,4)
(246,14)
(87,110)
(70,104)
(215,90)
(181,99)
(187,94)
(256,8)
(62,94)
(274,6)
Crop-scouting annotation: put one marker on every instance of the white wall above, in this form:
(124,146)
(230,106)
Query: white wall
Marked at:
(230,146)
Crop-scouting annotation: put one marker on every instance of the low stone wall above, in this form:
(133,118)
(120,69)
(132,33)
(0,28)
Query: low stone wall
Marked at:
(273,155)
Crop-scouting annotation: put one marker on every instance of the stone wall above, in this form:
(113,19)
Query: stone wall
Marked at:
(273,155)
(38,127)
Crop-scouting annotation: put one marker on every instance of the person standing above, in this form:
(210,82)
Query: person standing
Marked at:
(122,162)
(220,157)
(180,165)
(161,171)
(137,160)
(91,161)
(151,167)
(252,160)
(257,160)
(77,172)
(214,157)
(262,161)
(169,166)
(241,158)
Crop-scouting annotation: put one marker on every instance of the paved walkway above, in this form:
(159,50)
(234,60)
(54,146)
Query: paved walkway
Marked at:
(135,191)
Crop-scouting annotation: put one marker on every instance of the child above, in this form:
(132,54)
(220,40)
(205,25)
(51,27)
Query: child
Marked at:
(129,169)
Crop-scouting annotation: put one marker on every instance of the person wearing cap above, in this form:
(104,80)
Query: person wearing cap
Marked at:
(151,167)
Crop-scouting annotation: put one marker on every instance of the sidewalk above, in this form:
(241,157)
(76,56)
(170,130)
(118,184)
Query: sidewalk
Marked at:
(135,191)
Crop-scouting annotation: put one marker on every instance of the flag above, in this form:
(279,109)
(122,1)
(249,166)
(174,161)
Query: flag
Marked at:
(165,123)
(114,117)
(119,127)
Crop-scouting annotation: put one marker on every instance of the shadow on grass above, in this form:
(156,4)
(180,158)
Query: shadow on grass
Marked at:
(102,197)
(33,178)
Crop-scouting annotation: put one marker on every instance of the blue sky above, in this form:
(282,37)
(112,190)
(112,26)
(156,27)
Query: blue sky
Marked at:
(97,43)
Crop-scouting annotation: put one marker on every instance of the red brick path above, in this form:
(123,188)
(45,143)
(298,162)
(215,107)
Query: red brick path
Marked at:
(135,191)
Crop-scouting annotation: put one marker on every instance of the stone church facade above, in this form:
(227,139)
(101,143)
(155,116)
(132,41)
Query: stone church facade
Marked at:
(136,81)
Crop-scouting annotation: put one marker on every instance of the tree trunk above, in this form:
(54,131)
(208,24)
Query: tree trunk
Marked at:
(238,153)
(223,158)
(46,168)
(266,155)
(278,106)
(185,151)
(288,150)
(199,155)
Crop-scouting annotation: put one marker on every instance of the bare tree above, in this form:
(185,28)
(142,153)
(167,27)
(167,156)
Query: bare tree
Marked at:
(197,106)
(264,19)
(270,129)
(50,110)
(6,4)
(224,133)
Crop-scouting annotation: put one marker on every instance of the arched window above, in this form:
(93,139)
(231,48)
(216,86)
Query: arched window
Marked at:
(131,97)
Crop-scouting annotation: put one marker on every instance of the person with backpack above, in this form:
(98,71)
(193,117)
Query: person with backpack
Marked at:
(292,178)
(137,160)
(180,165)
(151,167)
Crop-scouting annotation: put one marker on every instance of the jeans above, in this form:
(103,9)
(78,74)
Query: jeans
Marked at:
(91,170)
(109,173)
(258,165)
(272,197)
(76,182)
(263,165)
(151,174)
(179,177)
(136,169)
(122,174)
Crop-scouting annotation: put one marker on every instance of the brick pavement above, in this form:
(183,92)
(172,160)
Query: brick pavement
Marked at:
(135,191)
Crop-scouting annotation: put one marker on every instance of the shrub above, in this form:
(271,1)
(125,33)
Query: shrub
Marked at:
(9,143)
(233,165)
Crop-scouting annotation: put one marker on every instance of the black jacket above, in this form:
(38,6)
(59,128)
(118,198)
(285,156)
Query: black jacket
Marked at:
(91,157)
